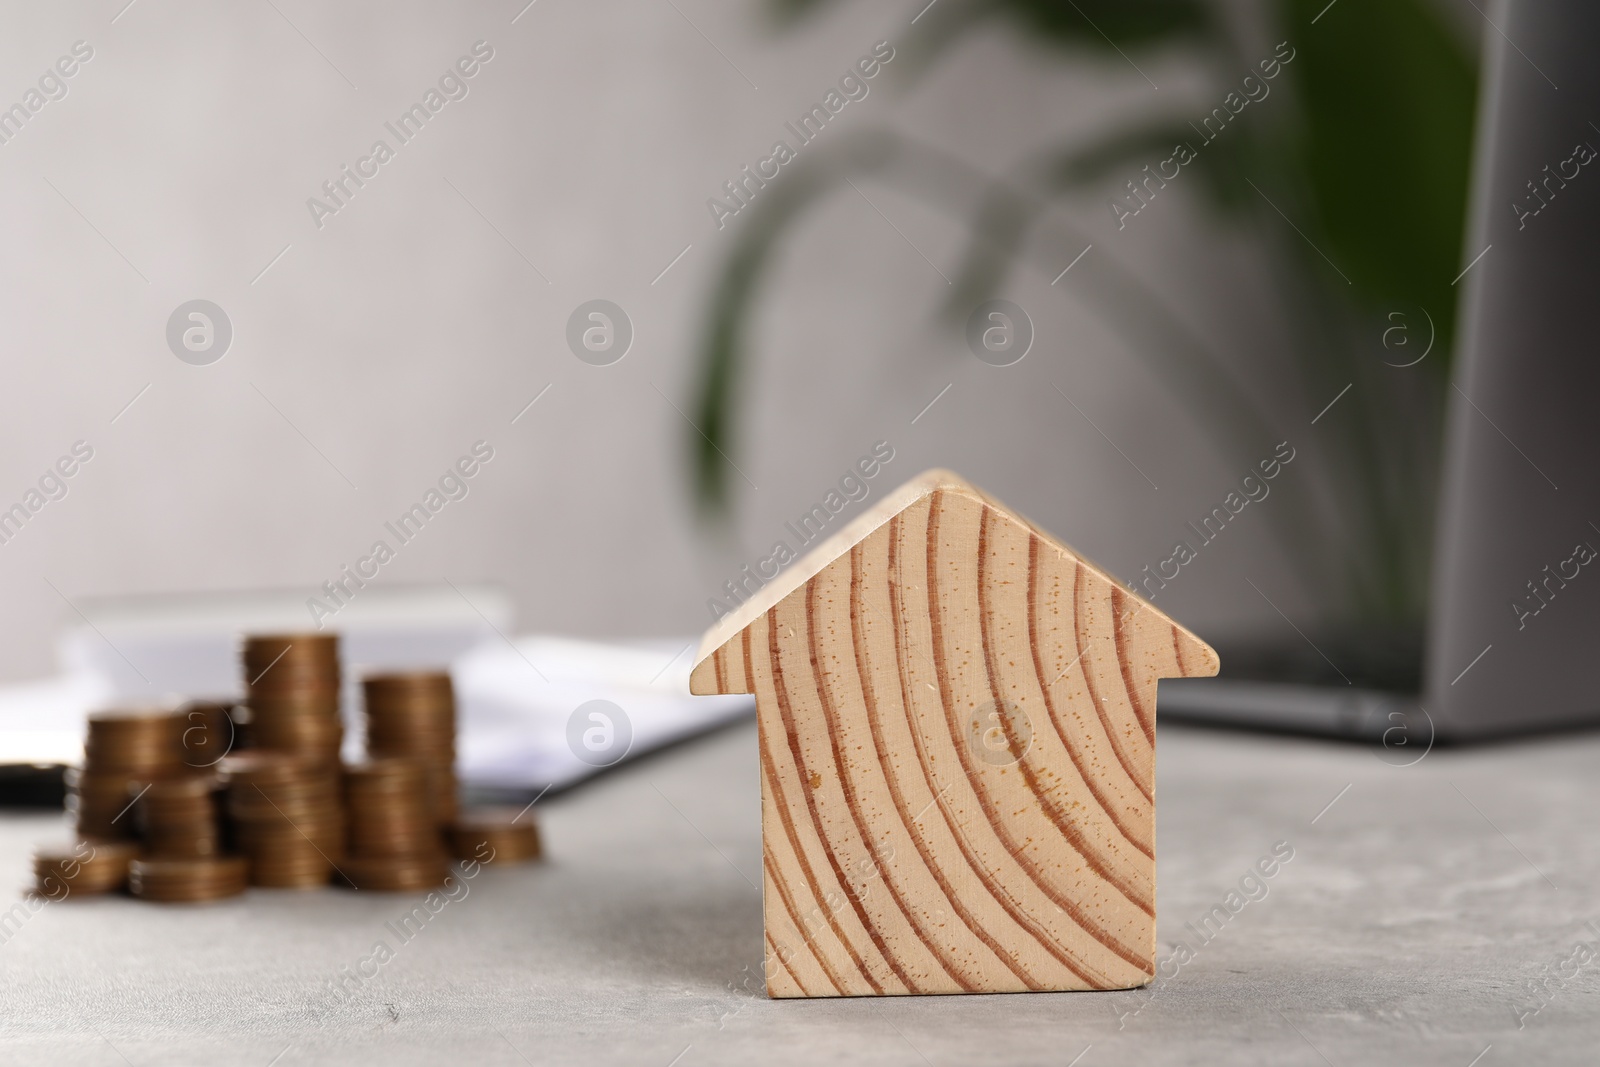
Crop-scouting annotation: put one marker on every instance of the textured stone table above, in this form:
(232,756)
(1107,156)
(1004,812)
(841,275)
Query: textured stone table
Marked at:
(1416,910)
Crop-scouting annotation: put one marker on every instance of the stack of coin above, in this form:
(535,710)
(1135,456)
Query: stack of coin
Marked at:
(394,838)
(292,682)
(84,867)
(187,880)
(286,818)
(124,752)
(495,835)
(413,716)
(178,816)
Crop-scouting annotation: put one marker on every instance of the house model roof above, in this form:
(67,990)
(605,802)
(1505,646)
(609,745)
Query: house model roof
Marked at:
(847,538)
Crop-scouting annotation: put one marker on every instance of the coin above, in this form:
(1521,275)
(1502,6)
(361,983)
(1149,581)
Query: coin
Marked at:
(287,818)
(101,802)
(394,874)
(134,740)
(263,652)
(412,714)
(292,684)
(315,734)
(83,868)
(180,817)
(187,880)
(495,835)
(272,805)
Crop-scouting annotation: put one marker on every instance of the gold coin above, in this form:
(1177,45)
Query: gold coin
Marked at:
(83,867)
(187,880)
(495,835)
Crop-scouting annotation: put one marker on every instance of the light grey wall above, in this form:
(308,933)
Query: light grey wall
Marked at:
(426,313)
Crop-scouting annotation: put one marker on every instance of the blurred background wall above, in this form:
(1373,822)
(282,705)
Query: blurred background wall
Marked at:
(370,353)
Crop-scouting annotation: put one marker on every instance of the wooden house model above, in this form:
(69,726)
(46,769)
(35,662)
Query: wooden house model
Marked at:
(957,728)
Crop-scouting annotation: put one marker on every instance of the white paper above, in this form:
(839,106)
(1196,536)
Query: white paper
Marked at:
(517,701)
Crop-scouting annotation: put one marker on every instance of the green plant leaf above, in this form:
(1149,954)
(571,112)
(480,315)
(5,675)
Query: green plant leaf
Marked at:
(1387,94)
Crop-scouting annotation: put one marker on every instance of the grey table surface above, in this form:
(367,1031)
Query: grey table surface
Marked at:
(1431,914)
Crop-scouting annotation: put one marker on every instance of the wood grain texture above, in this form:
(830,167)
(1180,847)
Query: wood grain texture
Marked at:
(957,731)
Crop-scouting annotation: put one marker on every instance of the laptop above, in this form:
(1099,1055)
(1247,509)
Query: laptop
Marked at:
(1512,641)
